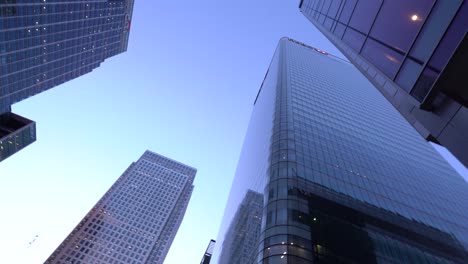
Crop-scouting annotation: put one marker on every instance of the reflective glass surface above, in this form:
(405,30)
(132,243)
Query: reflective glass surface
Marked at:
(427,33)
(342,177)
(16,132)
(46,43)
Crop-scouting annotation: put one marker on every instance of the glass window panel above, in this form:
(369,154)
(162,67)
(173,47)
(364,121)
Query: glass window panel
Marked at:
(364,15)
(321,19)
(354,39)
(326,6)
(399,21)
(450,41)
(386,59)
(332,12)
(408,74)
(424,84)
(434,28)
(347,11)
(328,23)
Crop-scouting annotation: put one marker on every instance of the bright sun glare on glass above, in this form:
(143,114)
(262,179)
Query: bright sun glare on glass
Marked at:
(414,17)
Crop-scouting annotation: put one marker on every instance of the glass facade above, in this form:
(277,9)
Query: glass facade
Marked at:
(137,218)
(413,51)
(398,37)
(46,43)
(341,177)
(16,132)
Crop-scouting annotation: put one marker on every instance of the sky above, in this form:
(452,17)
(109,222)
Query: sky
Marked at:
(184,89)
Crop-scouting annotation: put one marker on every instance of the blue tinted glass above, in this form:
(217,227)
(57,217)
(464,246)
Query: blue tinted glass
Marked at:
(384,58)
(347,11)
(451,39)
(329,157)
(424,84)
(354,39)
(364,15)
(333,11)
(408,74)
(399,21)
(434,28)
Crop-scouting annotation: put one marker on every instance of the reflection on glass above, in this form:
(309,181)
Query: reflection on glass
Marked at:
(354,39)
(408,74)
(364,14)
(434,28)
(424,84)
(386,59)
(240,242)
(399,21)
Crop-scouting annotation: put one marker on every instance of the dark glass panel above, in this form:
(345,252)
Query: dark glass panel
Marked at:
(408,74)
(449,42)
(364,14)
(434,28)
(424,84)
(386,59)
(347,11)
(354,39)
(399,21)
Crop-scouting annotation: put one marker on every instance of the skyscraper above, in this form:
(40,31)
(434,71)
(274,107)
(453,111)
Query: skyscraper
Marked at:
(208,252)
(343,178)
(137,218)
(414,52)
(46,43)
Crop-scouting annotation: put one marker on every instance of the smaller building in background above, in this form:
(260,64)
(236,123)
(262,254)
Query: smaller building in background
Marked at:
(137,218)
(16,132)
(209,251)
(415,54)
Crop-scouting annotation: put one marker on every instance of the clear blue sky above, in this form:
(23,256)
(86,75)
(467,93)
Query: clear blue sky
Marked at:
(184,89)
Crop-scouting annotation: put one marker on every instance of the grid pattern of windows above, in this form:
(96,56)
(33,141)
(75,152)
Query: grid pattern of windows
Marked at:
(412,52)
(136,220)
(401,38)
(16,133)
(344,178)
(46,43)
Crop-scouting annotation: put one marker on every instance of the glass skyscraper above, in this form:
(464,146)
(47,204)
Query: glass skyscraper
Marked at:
(137,218)
(208,252)
(46,43)
(415,52)
(331,173)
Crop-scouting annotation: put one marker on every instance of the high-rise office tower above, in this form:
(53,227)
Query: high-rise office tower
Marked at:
(343,178)
(415,52)
(137,218)
(46,43)
(208,252)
